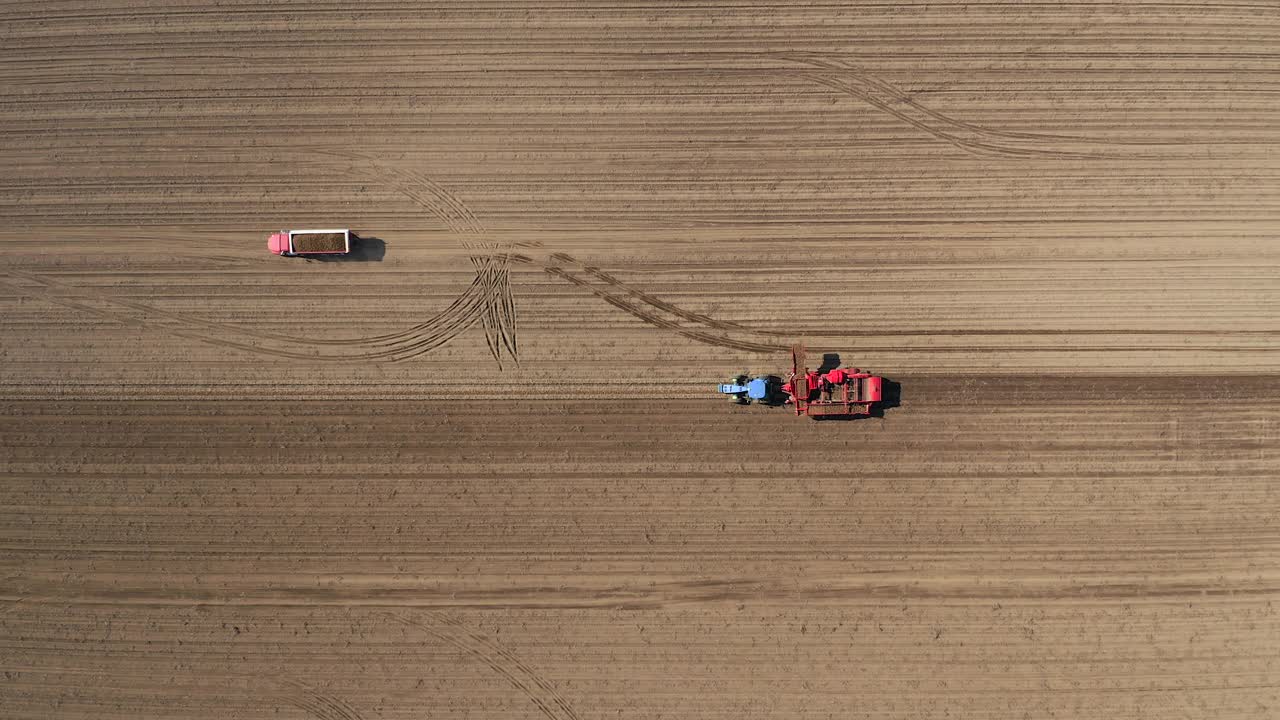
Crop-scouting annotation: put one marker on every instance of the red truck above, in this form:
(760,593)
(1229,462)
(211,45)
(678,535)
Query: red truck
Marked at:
(292,243)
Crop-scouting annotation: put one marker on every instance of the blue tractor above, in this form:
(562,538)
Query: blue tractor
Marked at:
(763,390)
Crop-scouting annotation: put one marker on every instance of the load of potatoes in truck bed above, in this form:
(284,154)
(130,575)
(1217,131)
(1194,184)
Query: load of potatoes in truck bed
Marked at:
(319,242)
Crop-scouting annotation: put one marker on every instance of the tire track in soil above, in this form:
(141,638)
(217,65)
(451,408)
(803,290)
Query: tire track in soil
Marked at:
(136,322)
(315,703)
(498,314)
(427,336)
(492,266)
(13,604)
(444,206)
(654,301)
(448,324)
(488,298)
(967,136)
(496,309)
(653,318)
(540,692)
(382,340)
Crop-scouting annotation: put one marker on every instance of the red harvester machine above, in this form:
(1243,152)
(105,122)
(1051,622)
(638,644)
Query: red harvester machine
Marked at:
(839,393)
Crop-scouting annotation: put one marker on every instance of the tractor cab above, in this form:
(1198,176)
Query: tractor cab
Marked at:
(745,390)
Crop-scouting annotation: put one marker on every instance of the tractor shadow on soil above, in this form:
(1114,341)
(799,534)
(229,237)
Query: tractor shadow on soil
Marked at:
(363,249)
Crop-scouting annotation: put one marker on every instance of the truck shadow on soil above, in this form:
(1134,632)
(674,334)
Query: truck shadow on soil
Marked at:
(363,249)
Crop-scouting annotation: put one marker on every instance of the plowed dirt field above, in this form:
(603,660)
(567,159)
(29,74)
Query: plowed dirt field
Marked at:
(478,470)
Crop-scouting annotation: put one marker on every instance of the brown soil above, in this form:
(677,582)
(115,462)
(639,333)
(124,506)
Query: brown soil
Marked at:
(319,242)
(1056,231)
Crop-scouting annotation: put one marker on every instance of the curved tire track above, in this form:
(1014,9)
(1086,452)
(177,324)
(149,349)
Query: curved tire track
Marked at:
(492,265)
(445,326)
(648,299)
(540,692)
(971,137)
(315,703)
(488,299)
(652,318)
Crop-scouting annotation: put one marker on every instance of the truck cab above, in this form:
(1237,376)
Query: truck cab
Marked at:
(278,243)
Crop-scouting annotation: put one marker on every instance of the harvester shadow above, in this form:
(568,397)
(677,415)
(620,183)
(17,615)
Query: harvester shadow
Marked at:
(890,397)
(830,361)
(363,249)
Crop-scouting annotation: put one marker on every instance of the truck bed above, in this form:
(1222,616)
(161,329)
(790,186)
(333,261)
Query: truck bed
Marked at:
(327,242)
